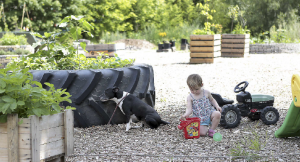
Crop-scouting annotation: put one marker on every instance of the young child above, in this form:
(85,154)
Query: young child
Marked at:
(201,103)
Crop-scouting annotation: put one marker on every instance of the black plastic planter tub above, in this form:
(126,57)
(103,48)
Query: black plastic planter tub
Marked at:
(167,45)
(86,86)
(160,46)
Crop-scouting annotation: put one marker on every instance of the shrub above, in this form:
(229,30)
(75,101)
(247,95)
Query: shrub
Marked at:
(12,39)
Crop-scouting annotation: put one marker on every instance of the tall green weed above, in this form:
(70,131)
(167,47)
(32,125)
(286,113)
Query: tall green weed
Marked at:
(286,33)
(109,37)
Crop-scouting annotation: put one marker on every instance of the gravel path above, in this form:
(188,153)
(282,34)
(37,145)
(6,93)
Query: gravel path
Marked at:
(266,74)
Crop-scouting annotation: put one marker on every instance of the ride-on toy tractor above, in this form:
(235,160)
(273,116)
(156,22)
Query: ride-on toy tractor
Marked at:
(255,107)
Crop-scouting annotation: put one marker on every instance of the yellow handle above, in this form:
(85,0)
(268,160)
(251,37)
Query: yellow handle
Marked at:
(296,89)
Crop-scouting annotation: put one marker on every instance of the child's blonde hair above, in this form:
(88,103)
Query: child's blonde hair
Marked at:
(194,81)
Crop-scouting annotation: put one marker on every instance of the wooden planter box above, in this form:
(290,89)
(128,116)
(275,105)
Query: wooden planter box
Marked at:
(204,48)
(14,47)
(37,138)
(96,50)
(235,45)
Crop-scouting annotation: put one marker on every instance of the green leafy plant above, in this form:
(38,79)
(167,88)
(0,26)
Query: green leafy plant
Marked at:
(260,38)
(238,151)
(233,13)
(18,51)
(101,62)
(60,45)
(252,141)
(279,35)
(12,39)
(207,12)
(240,30)
(62,54)
(256,142)
(203,32)
(20,94)
(2,52)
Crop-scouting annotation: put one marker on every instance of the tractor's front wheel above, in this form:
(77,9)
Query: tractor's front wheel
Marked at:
(230,116)
(269,115)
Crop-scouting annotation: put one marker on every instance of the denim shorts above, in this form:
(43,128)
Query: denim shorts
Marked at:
(207,122)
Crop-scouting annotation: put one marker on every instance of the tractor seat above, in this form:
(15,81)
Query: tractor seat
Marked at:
(221,101)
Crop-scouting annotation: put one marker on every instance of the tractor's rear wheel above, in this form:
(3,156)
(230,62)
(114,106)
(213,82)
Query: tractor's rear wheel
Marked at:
(230,116)
(269,115)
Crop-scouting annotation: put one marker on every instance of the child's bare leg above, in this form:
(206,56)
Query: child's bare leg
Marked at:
(215,119)
(203,130)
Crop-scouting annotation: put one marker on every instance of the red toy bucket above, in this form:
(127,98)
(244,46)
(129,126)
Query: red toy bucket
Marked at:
(191,127)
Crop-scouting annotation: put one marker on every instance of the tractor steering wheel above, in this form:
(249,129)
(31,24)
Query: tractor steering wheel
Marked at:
(238,88)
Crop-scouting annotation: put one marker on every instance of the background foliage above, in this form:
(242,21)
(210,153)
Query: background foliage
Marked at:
(135,17)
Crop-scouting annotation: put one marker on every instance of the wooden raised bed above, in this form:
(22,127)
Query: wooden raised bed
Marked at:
(14,47)
(37,138)
(204,48)
(235,45)
(96,50)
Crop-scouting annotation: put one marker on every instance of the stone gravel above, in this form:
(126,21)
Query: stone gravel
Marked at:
(266,73)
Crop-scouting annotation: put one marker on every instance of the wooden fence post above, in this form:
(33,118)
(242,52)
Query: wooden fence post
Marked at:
(13,137)
(35,138)
(69,129)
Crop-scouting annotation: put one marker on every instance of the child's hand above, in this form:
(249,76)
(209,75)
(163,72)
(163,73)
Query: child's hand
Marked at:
(183,118)
(219,109)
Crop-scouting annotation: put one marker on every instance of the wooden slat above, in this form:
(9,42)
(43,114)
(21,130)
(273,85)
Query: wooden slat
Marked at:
(23,128)
(201,60)
(51,134)
(235,36)
(235,41)
(24,155)
(35,138)
(24,141)
(233,46)
(233,50)
(205,49)
(205,37)
(213,54)
(12,137)
(232,55)
(3,128)
(69,132)
(51,121)
(51,149)
(33,134)
(201,54)
(97,53)
(205,43)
